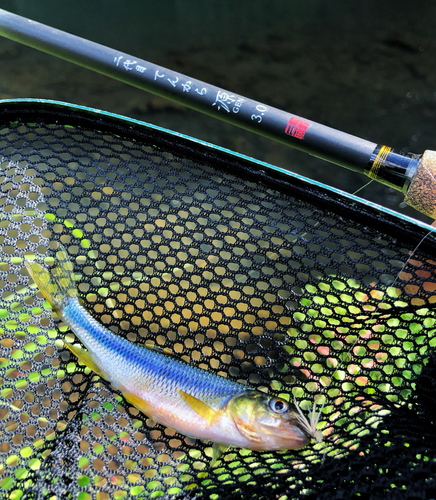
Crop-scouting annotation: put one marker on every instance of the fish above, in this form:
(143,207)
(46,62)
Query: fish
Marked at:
(194,402)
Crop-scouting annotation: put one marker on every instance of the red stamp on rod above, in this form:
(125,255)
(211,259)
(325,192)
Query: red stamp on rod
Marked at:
(297,127)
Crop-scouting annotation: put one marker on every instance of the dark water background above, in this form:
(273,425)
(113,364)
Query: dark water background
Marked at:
(365,67)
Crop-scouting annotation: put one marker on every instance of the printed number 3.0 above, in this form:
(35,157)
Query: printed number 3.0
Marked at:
(262,109)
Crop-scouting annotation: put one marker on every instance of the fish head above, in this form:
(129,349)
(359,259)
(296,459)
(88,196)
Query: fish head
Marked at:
(268,423)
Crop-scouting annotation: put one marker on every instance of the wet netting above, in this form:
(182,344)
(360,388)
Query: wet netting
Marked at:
(258,276)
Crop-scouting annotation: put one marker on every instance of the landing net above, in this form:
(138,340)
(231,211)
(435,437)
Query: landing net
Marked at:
(235,267)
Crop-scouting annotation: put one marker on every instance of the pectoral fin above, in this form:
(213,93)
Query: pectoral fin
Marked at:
(217,451)
(204,410)
(85,358)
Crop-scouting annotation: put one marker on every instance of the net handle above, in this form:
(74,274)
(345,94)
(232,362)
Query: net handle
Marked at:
(381,163)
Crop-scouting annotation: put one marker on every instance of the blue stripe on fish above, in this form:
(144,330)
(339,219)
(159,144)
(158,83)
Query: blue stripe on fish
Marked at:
(164,370)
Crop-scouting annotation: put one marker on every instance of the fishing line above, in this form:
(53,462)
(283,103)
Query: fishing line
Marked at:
(347,356)
(363,187)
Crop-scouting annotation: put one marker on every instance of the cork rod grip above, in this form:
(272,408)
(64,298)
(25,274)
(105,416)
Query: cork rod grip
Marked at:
(421,194)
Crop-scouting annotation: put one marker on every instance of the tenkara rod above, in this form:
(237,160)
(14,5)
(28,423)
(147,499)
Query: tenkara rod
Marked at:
(414,175)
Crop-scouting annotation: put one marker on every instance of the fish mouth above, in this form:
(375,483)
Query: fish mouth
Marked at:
(291,437)
(305,438)
(288,435)
(296,435)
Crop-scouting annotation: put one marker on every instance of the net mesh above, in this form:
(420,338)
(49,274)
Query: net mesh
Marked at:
(268,281)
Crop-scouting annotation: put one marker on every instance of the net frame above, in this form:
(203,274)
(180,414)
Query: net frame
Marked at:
(379,439)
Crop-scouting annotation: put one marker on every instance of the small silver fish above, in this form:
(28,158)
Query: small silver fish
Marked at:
(192,401)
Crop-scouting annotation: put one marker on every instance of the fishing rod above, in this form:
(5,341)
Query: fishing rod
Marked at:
(412,174)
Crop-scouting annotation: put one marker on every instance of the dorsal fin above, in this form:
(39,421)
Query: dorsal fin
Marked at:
(161,350)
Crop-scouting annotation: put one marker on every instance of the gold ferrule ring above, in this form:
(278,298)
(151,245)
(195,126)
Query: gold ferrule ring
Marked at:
(379,161)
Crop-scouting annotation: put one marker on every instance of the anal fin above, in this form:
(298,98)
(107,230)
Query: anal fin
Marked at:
(138,403)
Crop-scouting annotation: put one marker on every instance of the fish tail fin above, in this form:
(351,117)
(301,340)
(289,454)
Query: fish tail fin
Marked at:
(57,284)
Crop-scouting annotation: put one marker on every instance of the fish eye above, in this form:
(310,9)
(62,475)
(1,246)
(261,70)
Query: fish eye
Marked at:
(278,405)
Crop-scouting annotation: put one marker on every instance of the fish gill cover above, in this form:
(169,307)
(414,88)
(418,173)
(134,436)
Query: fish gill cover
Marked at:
(265,281)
